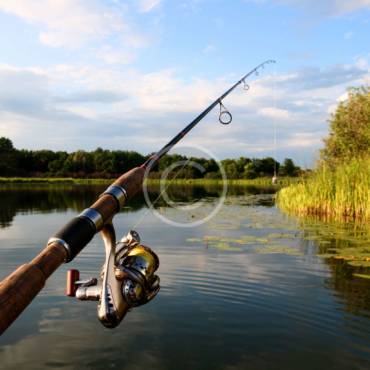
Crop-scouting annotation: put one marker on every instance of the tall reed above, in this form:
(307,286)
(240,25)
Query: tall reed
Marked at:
(340,194)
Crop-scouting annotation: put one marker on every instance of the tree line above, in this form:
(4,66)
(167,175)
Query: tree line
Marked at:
(102,163)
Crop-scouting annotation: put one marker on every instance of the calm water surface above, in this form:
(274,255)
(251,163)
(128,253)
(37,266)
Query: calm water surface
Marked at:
(246,290)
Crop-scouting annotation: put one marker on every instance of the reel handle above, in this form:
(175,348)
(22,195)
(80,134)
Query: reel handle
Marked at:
(71,287)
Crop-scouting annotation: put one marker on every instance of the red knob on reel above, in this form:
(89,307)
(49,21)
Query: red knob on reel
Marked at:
(72,277)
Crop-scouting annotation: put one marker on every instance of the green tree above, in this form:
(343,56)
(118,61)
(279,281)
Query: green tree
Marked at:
(41,160)
(349,134)
(289,168)
(103,161)
(241,163)
(268,166)
(6,145)
(56,166)
(8,157)
(230,168)
(250,171)
(211,166)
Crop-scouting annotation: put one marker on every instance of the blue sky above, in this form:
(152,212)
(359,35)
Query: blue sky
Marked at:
(129,74)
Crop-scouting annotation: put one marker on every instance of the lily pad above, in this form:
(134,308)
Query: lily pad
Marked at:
(262,240)
(280,249)
(225,247)
(194,240)
(211,237)
(279,236)
(248,238)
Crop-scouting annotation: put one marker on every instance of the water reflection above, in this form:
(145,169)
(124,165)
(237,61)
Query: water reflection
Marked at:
(46,198)
(245,290)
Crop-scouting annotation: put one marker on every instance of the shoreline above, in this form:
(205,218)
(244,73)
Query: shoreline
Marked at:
(262,181)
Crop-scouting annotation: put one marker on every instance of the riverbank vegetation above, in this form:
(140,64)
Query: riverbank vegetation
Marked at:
(339,188)
(260,181)
(339,193)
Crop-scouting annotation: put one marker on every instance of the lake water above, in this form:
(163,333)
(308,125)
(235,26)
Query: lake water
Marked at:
(246,290)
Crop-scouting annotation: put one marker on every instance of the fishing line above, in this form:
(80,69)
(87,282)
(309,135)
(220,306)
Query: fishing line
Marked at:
(138,223)
(274,97)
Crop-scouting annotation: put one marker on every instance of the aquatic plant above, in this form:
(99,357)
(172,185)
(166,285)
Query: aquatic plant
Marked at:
(342,193)
(278,249)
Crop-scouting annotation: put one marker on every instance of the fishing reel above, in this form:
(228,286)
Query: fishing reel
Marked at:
(127,278)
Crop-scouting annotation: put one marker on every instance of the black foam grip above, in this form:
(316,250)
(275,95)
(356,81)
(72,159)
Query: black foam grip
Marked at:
(76,233)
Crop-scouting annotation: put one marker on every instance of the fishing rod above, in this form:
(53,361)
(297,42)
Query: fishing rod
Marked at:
(127,278)
(225,116)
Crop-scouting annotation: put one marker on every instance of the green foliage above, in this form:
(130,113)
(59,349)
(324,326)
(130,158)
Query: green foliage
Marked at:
(6,145)
(289,168)
(231,169)
(102,163)
(250,171)
(260,167)
(8,161)
(340,187)
(340,194)
(349,135)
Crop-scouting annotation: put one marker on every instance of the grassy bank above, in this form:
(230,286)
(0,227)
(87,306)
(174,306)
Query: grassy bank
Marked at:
(53,180)
(342,194)
(262,181)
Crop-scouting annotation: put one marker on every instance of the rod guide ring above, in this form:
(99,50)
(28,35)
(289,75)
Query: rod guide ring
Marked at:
(225,117)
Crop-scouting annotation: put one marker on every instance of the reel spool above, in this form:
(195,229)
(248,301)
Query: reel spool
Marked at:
(127,279)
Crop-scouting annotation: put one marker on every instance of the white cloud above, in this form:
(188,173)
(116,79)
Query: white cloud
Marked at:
(100,29)
(148,5)
(23,90)
(361,62)
(303,139)
(135,39)
(324,7)
(276,113)
(346,6)
(150,107)
(113,56)
(68,23)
